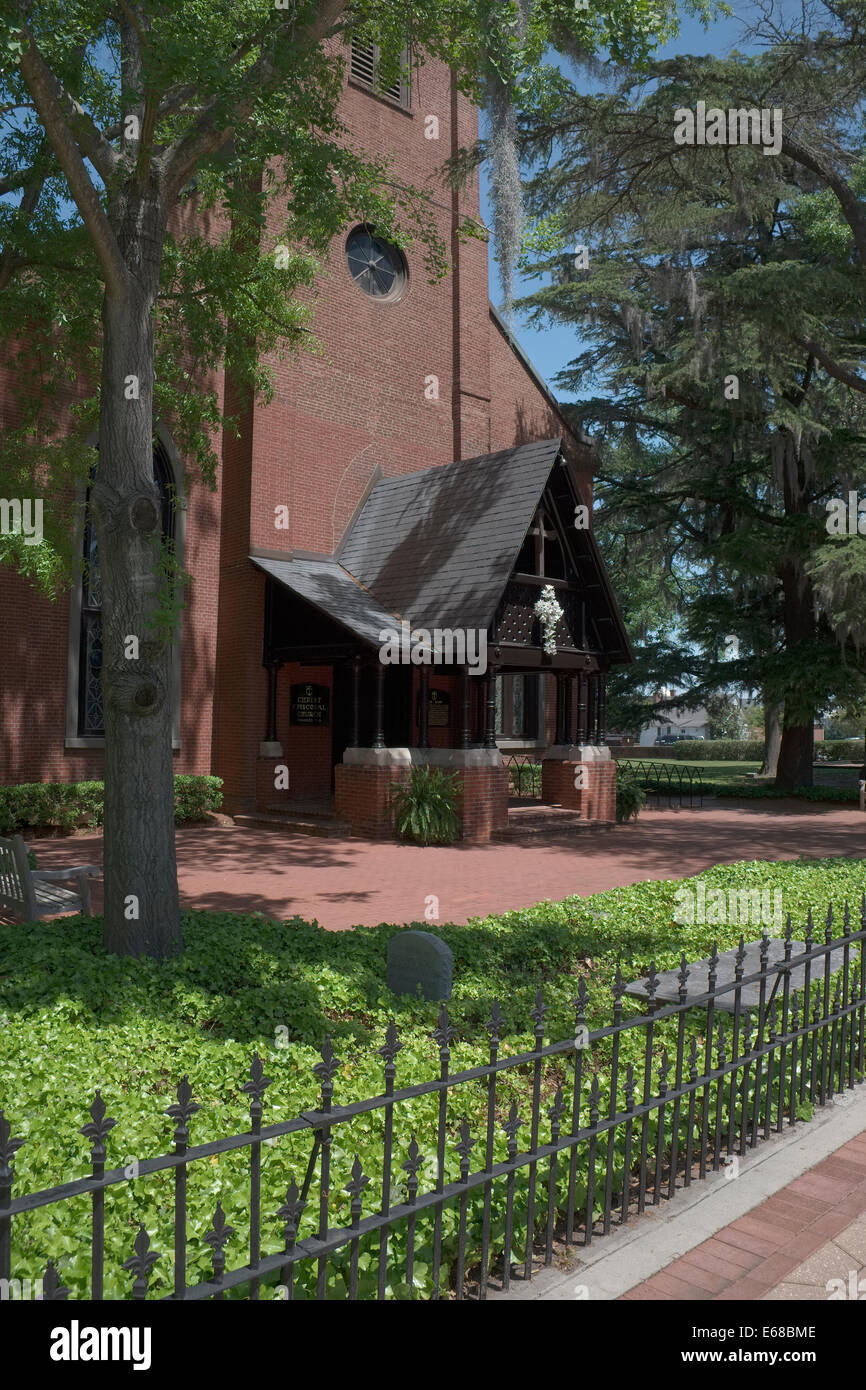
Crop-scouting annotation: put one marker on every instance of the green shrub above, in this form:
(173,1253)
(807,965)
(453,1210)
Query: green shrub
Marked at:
(721,750)
(426,808)
(840,750)
(73,805)
(760,790)
(195,796)
(630,795)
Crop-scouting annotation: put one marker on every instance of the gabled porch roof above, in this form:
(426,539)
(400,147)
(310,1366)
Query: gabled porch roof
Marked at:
(437,548)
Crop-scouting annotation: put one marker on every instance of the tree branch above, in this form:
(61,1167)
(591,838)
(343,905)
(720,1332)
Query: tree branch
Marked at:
(87,135)
(9,262)
(832,367)
(850,204)
(45,90)
(209,133)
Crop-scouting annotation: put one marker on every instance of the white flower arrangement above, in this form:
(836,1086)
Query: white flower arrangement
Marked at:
(548,612)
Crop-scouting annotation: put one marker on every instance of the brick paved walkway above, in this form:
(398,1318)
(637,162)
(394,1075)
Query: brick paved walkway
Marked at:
(343,882)
(788,1247)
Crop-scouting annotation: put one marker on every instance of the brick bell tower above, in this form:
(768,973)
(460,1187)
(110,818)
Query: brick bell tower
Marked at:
(412,377)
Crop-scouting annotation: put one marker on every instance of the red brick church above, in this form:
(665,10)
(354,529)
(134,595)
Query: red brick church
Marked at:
(416,478)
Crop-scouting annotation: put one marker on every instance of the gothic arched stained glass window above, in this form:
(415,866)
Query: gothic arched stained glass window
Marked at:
(91,721)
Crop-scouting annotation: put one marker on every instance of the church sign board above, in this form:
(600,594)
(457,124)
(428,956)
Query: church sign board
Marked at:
(310,704)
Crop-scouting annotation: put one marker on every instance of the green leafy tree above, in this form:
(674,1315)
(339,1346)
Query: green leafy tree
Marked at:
(727,344)
(144,144)
(724,717)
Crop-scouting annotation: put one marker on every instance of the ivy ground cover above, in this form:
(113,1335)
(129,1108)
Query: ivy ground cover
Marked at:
(73,1019)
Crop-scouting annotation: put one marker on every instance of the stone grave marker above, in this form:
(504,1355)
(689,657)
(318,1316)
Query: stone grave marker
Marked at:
(419,958)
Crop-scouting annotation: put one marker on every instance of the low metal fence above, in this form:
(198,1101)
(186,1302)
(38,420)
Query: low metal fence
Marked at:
(670,781)
(565,1140)
(524,771)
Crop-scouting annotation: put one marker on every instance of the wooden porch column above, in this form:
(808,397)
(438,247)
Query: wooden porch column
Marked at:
(573,699)
(273,668)
(562,709)
(356,702)
(578,685)
(423,733)
(379,724)
(590,708)
(490,707)
(465,724)
(602,695)
(582,686)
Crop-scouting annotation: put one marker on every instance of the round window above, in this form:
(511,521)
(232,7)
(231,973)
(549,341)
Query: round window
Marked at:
(378,267)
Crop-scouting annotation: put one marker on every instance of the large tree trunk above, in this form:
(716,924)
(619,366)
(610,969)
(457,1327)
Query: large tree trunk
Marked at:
(142,911)
(773,710)
(795,757)
(794,767)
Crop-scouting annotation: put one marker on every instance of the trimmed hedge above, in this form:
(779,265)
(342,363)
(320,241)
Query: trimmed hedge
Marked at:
(722,750)
(847,794)
(840,750)
(68,805)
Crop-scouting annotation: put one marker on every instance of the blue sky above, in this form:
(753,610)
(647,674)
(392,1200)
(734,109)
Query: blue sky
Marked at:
(550,349)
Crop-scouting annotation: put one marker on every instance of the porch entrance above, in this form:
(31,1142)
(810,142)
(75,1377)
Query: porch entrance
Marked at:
(397,702)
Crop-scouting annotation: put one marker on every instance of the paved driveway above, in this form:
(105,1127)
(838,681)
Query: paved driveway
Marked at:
(343,882)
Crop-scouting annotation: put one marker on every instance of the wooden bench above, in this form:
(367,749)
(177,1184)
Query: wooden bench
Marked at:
(28,894)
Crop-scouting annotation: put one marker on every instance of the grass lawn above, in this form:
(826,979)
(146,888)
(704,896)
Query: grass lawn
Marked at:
(724,772)
(730,775)
(73,1019)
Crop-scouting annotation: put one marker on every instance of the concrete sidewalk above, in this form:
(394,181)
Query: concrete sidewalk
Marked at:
(792,1246)
(793,1218)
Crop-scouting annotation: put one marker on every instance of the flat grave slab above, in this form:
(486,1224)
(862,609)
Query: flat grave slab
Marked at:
(667,990)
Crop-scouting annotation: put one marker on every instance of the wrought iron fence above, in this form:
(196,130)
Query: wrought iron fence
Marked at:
(616,1117)
(524,771)
(674,781)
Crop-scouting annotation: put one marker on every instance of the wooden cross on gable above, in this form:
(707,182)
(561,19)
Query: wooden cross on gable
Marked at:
(542,531)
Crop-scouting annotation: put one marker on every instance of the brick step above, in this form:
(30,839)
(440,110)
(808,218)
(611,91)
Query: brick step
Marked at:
(545,822)
(295,824)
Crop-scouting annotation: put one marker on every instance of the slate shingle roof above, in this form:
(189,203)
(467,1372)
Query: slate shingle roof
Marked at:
(437,547)
(328,587)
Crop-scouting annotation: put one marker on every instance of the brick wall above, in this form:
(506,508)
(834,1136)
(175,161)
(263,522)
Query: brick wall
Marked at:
(485,802)
(363,793)
(596,800)
(520,411)
(361,798)
(334,419)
